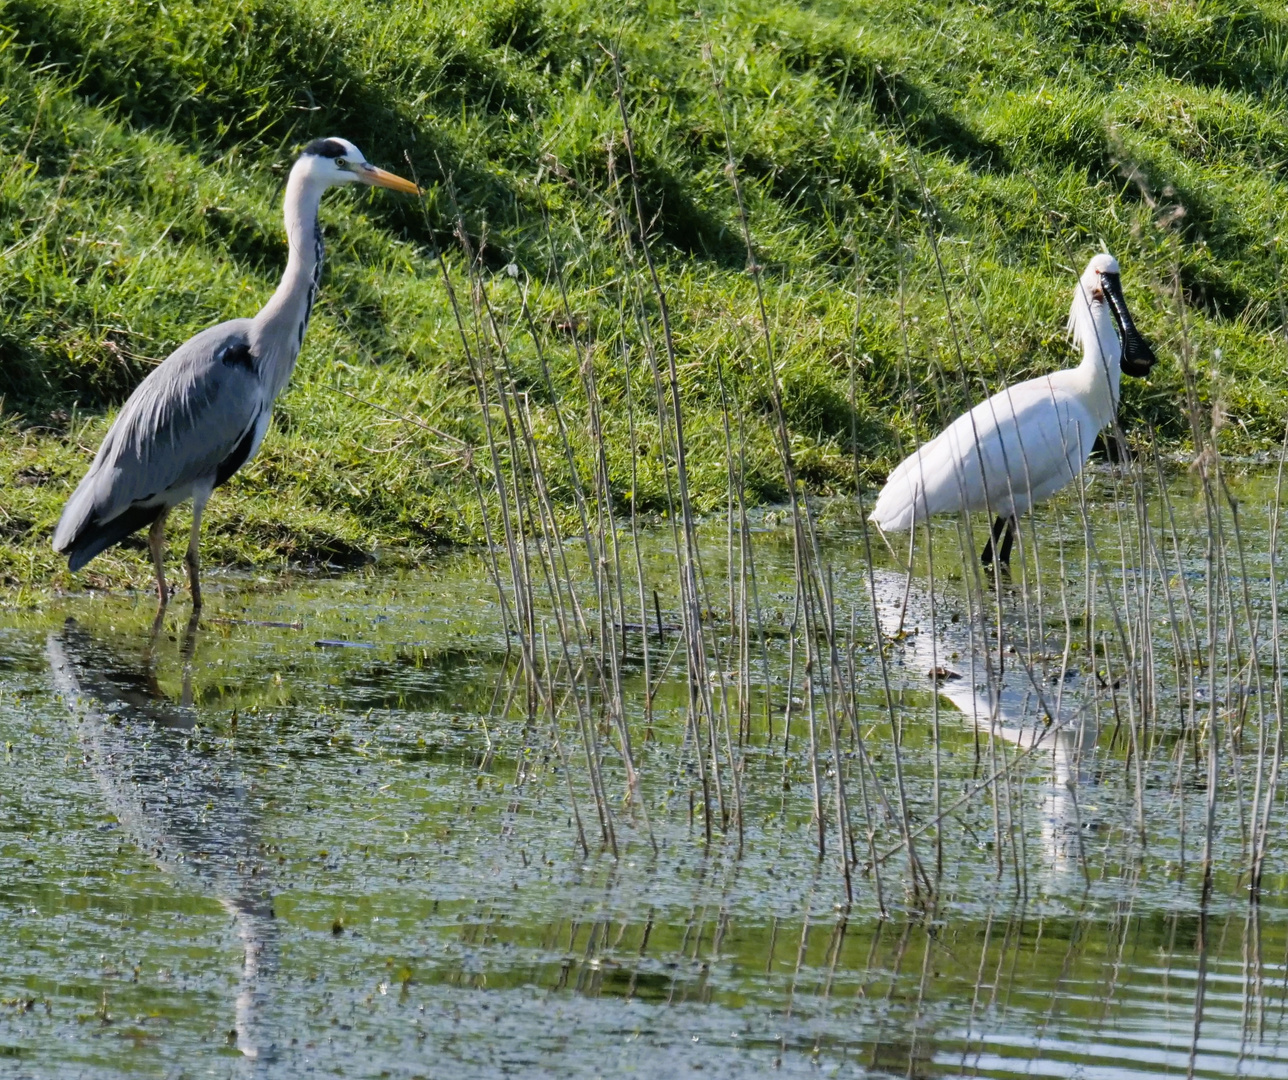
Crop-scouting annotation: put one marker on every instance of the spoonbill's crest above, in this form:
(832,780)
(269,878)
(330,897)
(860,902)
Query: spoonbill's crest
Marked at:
(1025,443)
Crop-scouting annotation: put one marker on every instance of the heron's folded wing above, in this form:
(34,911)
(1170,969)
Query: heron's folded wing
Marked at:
(184,419)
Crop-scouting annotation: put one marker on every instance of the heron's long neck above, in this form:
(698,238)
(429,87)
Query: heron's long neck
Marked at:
(278,330)
(1093,329)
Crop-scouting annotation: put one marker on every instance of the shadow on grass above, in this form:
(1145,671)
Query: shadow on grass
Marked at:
(267,76)
(1230,44)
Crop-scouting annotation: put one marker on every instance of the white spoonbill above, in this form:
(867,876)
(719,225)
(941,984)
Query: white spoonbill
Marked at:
(1025,443)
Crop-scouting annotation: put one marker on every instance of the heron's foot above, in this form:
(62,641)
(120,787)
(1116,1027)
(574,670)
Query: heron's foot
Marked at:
(189,645)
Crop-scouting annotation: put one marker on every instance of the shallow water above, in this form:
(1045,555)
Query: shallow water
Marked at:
(307,835)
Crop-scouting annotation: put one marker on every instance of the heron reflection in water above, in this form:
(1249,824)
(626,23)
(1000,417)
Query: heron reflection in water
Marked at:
(187,809)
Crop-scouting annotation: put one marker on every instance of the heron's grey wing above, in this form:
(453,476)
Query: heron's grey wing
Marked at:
(200,410)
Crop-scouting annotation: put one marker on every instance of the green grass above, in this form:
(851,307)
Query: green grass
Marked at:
(143,148)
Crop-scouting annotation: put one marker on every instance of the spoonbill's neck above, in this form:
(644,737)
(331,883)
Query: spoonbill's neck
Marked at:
(278,330)
(1092,328)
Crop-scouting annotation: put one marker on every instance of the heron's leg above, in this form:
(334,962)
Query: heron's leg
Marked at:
(999,526)
(193,558)
(156,544)
(1004,556)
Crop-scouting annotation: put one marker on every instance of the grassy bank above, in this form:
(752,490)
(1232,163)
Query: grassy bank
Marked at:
(143,148)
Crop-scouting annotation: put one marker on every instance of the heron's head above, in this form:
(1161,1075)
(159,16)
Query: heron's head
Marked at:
(337,161)
(1101,286)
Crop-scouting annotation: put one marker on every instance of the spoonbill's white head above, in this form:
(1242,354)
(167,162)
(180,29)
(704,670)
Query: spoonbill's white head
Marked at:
(1100,287)
(337,161)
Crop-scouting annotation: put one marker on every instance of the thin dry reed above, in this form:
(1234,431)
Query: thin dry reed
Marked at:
(1142,669)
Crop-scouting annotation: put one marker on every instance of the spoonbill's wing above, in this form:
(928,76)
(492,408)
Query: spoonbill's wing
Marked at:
(1018,447)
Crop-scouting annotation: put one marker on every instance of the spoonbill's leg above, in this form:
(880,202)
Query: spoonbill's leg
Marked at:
(1004,556)
(156,544)
(999,527)
(193,558)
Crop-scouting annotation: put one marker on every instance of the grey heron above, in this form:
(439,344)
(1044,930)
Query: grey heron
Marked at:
(202,413)
(1026,442)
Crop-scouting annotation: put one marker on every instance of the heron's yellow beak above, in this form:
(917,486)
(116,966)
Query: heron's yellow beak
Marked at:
(369,174)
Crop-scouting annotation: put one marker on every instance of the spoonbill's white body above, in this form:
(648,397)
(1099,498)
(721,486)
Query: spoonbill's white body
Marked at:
(1025,443)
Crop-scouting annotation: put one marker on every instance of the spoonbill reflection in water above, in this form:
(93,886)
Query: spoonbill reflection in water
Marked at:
(1028,441)
(1046,713)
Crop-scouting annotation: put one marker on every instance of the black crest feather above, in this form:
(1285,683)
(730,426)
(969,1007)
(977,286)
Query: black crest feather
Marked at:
(325,148)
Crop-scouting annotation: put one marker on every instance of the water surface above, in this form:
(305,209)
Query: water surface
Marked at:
(308,834)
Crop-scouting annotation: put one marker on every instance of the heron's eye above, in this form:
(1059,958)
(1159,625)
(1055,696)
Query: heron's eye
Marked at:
(341,163)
